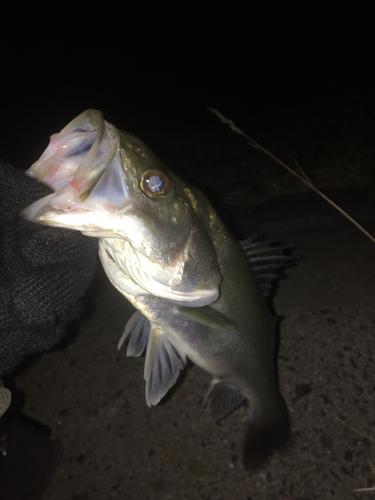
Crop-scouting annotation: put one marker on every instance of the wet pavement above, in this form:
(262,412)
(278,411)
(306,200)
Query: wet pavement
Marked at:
(115,447)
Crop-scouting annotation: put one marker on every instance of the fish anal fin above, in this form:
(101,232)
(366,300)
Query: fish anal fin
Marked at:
(162,366)
(208,316)
(221,399)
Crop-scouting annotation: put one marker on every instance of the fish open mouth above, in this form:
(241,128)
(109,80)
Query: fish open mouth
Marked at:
(90,165)
(82,164)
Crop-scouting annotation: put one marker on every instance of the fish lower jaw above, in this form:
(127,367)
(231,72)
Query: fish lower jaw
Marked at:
(82,219)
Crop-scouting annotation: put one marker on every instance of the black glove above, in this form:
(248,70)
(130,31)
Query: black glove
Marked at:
(44,272)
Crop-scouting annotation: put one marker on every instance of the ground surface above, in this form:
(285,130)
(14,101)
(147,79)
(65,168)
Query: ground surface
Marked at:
(92,397)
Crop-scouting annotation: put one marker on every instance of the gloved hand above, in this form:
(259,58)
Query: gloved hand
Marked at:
(44,272)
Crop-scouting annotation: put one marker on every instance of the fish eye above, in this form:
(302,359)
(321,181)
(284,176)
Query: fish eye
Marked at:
(155,183)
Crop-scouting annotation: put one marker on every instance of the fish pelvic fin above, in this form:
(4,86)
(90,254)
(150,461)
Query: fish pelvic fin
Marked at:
(162,366)
(163,360)
(139,328)
(222,399)
(265,433)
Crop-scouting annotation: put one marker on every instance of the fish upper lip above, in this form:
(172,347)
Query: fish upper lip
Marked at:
(63,166)
(78,178)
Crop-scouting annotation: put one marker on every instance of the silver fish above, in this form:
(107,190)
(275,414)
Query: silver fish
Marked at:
(165,249)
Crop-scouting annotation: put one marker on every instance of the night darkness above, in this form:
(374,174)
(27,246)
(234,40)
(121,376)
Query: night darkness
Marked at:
(151,67)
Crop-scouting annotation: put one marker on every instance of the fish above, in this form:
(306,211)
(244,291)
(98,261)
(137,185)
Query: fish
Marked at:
(199,294)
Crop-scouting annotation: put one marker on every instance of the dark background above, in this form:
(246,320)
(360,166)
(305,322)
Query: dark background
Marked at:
(157,66)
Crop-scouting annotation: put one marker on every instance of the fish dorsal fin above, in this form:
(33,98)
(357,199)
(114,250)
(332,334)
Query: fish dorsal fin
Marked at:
(266,258)
(208,316)
(221,399)
(162,366)
(138,327)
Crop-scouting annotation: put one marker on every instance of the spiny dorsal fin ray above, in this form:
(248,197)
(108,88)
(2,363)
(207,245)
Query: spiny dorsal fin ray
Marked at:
(266,259)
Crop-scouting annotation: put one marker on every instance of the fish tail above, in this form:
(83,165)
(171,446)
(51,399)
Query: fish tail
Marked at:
(266,432)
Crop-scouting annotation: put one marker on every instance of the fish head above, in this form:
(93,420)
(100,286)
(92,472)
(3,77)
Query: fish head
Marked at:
(109,185)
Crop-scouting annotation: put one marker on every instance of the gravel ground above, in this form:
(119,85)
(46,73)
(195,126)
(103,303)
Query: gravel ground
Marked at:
(92,397)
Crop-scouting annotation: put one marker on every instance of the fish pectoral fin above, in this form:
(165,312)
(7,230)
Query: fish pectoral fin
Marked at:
(139,328)
(221,399)
(162,366)
(208,316)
